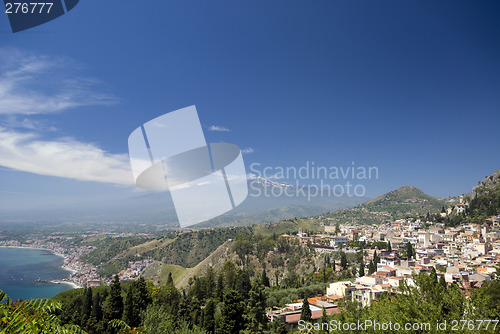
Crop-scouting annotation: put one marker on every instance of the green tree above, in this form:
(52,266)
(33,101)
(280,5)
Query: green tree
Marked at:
(128,308)
(243,247)
(362,269)
(305,313)
(141,299)
(277,327)
(219,287)
(442,281)
(113,308)
(372,267)
(264,280)
(228,273)
(324,320)
(486,301)
(87,303)
(209,316)
(170,279)
(232,309)
(210,282)
(343,260)
(95,325)
(157,319)
(359,256)
(409,250)
(184,313)
(242,283)
(169,298)
(97,307)
(256,318)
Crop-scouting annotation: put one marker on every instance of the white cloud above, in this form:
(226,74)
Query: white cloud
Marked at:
(63,158)
(31,84)
(247,150)
(13,121)
(218,128)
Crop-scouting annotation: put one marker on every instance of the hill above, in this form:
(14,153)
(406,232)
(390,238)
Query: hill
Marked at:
(159,271)
(489,182)
(182,248)
(406,201)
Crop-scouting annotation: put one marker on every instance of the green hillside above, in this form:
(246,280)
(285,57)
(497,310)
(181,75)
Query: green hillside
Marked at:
(188,249)
(403,202)
(183,248)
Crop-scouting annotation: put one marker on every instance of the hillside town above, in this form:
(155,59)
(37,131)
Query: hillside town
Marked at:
(467,255)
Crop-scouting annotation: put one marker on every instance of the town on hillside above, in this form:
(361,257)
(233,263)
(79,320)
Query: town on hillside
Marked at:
(467,255)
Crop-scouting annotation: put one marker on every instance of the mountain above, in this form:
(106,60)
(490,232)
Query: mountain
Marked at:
(492,181)
(406,201)
(484,201)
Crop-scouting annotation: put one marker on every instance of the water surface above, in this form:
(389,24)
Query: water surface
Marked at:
(20,268)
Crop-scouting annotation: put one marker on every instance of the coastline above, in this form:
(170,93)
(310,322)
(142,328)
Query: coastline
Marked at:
(64,266)
(72,284)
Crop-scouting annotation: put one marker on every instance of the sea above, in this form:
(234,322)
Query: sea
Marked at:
(25,273)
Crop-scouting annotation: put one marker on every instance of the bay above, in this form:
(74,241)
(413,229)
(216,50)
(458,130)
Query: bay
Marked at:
(24,273)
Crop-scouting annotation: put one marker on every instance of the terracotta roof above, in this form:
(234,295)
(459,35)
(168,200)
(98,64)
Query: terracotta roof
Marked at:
(295,317)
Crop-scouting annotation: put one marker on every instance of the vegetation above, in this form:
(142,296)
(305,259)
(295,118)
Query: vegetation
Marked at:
(33,316)
(229,302)
(185,249)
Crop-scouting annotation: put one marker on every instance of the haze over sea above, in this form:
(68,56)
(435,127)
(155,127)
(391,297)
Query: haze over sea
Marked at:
(20,268)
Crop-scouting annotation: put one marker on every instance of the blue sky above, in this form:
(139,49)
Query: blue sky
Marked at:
(412,87)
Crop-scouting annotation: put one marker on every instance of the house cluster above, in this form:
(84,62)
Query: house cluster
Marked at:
(83,274)
(134,270)
(467,255)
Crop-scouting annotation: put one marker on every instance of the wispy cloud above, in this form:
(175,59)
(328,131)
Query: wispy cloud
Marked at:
(247,150)
(65,157)
(37,85)
(218,128)
(33,84)
(25,122)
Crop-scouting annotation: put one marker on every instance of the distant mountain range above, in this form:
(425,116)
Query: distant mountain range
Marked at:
(268,201)
(273,201)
